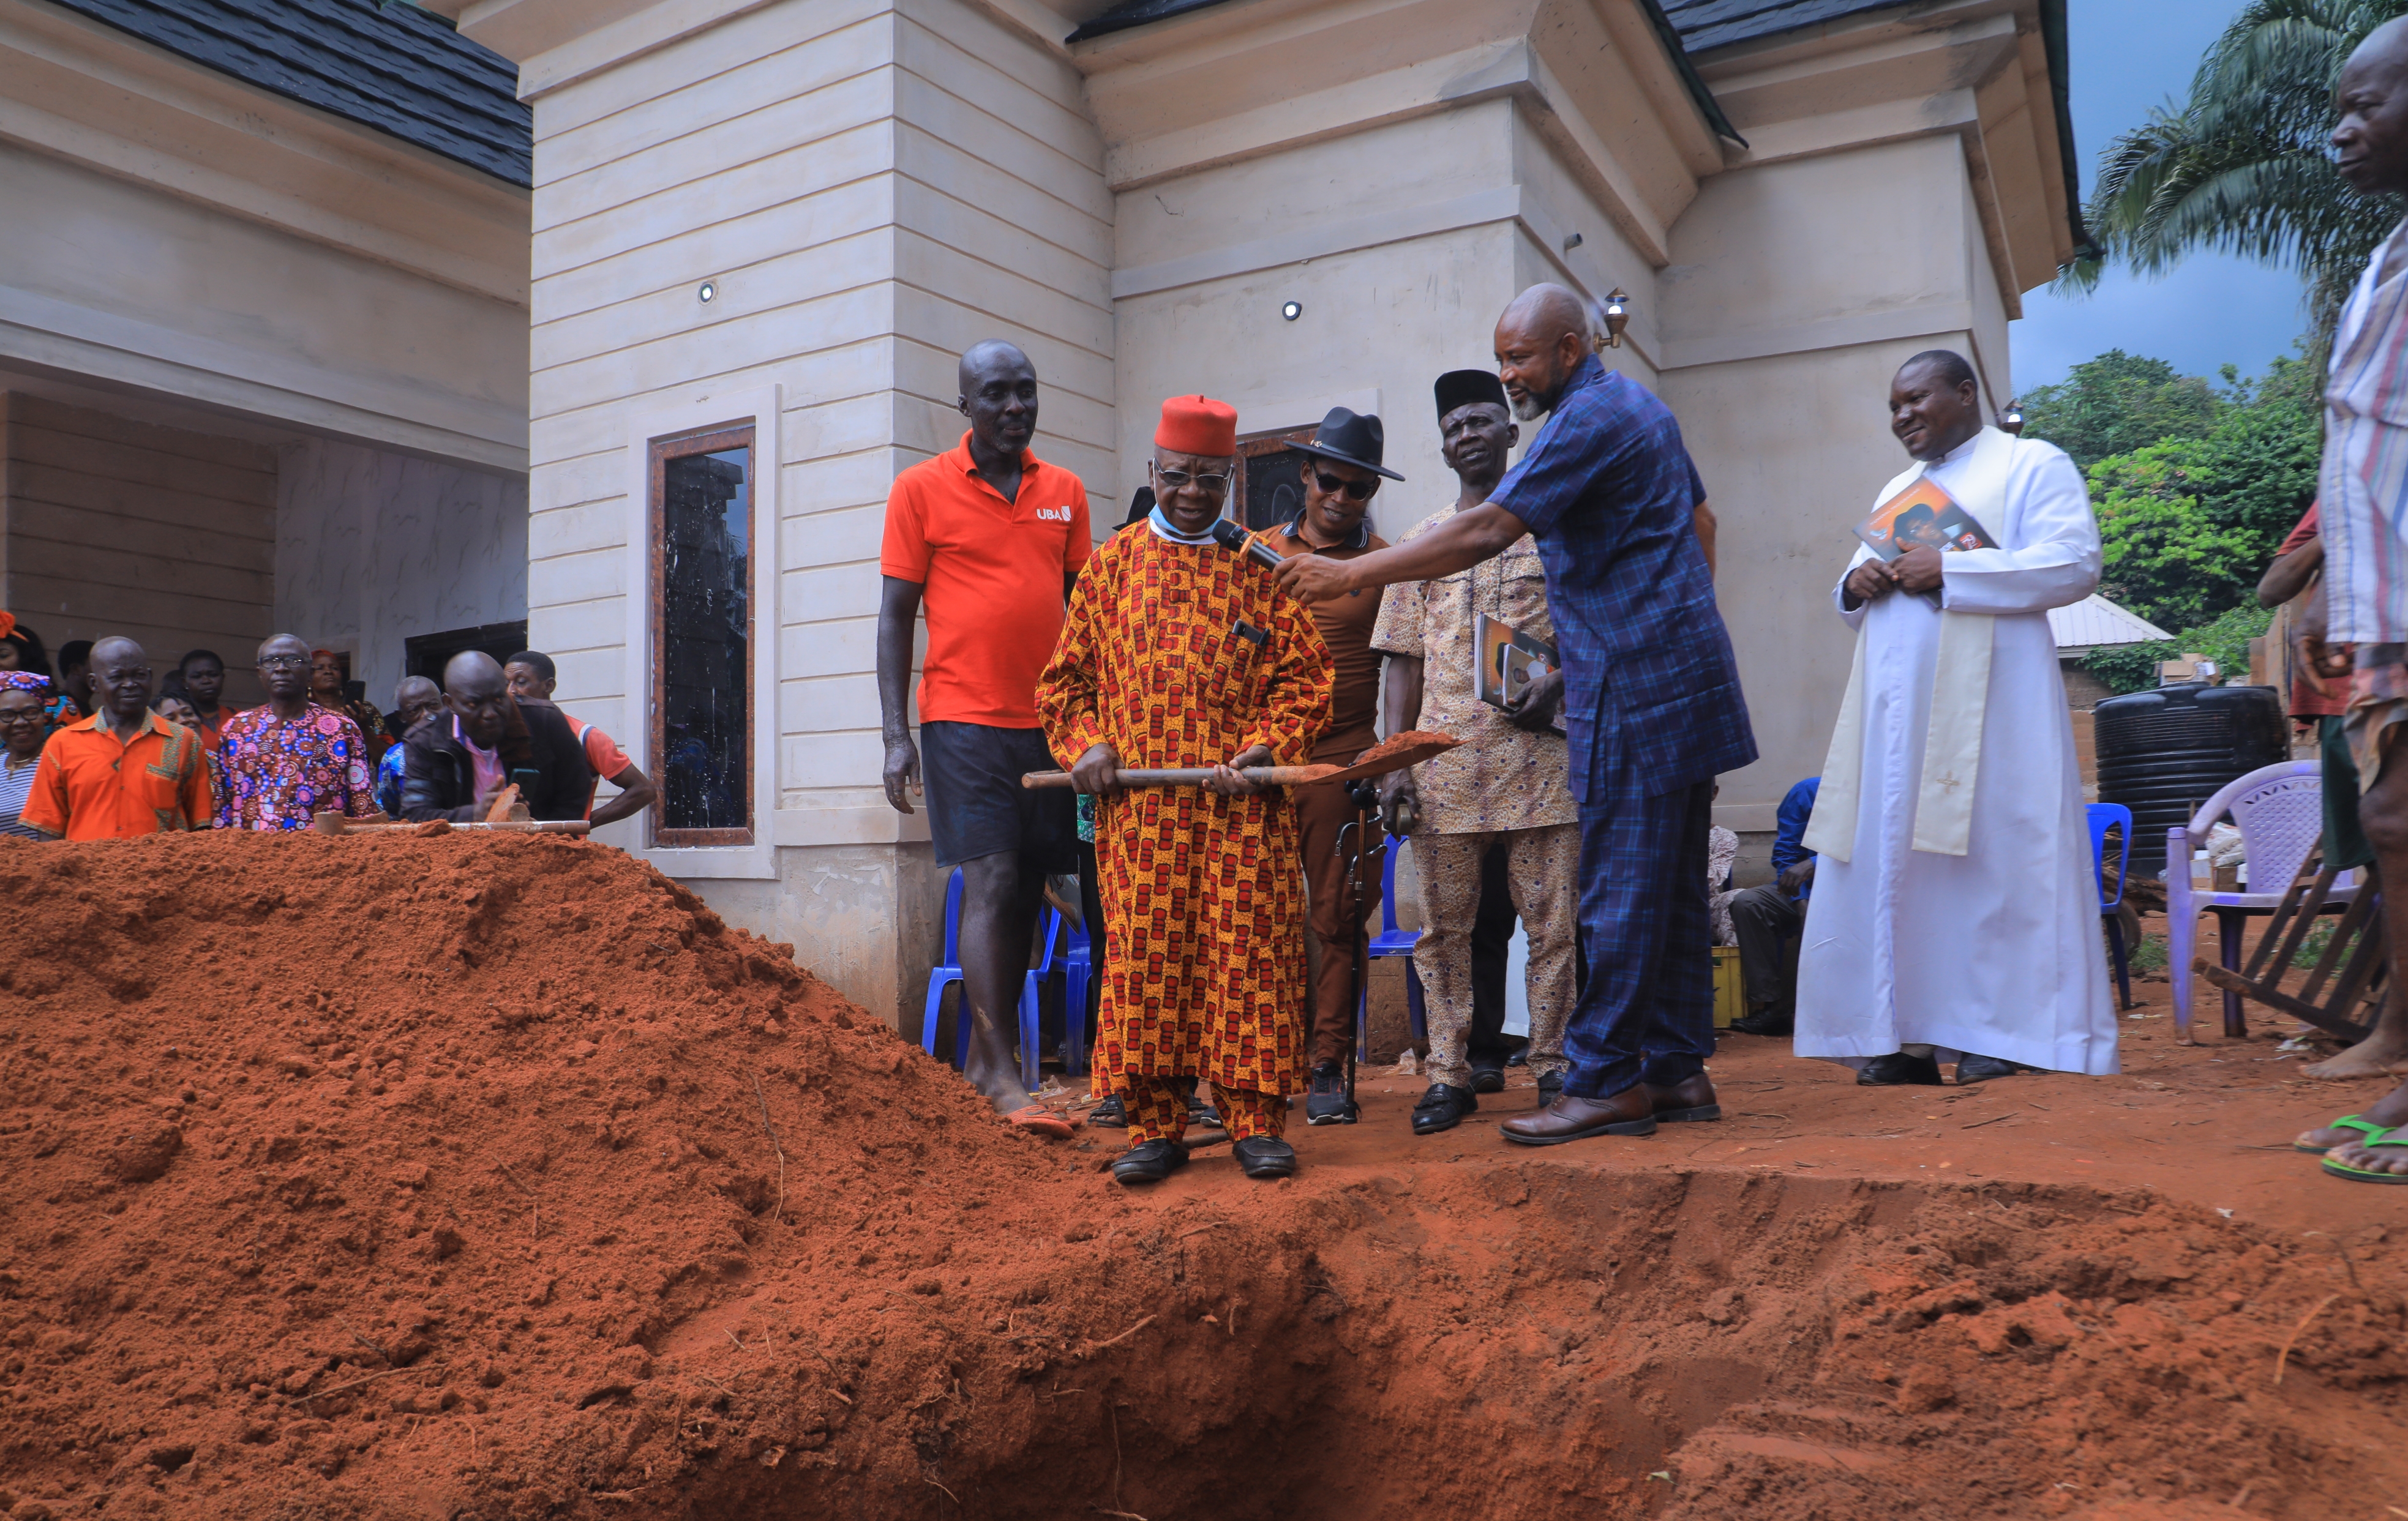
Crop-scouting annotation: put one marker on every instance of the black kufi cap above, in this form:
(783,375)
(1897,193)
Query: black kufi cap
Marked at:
(1461,388)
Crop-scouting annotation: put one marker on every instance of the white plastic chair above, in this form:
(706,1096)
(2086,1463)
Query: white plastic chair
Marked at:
(2279,810)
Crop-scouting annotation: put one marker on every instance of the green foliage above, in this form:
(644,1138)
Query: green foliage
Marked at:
(2129,668)
(2189,523)
(2149,955)
(2119,403)
(2242,166)
(2225,640)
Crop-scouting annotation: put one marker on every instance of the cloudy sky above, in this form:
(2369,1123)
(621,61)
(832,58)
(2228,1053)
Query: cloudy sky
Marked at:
(2129,56)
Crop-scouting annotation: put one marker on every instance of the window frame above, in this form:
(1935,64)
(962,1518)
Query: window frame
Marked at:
(1254,446)
(659,834)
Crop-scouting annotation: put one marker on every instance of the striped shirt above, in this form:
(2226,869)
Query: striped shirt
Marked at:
(16,784)
(2363,483)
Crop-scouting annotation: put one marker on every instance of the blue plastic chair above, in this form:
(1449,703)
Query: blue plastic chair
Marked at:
(1392,941)
(1078,973)
(2103,816)
(949,972)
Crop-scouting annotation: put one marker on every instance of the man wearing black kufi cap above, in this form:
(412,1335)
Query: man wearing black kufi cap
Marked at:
(1505,788)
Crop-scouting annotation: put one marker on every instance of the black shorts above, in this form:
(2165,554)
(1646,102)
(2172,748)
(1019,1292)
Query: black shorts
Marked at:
(976,805)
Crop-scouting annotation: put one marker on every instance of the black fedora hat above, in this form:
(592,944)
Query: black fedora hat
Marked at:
(1351,438)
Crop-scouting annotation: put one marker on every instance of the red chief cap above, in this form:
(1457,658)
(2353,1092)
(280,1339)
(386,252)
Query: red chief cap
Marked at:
(1197,425)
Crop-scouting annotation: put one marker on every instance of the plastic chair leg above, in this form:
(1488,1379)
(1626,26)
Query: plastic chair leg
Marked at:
(2123,962)
(2229,927)
(1414,1008)
(2181,934)
(1029,1055)
(1074,1019)
(938,981)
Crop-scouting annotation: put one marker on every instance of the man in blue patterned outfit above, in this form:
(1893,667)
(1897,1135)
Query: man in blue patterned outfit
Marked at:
(1652,703)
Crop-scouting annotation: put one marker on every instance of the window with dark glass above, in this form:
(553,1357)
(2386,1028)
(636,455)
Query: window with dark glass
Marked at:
(702,545)
(1270,480)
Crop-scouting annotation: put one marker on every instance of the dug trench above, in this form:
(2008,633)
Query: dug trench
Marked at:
(462,1177)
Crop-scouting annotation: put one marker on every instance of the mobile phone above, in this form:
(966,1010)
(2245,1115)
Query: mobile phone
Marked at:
(524,777)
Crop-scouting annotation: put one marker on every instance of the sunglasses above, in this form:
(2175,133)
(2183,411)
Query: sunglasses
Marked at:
(1356,490)
(1178,480)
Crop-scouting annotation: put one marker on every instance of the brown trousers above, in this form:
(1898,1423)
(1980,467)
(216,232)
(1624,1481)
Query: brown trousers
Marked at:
(1321,812)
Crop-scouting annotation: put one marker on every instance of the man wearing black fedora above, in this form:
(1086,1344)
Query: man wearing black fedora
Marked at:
(1341,473)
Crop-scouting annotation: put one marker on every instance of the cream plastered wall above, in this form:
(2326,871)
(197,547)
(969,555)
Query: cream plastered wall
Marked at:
(171,229)
(374,547)
(868,188)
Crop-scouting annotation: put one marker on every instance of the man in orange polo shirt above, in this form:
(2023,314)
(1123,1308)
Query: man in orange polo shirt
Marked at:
(1341,473)
(986,538)
(125,771)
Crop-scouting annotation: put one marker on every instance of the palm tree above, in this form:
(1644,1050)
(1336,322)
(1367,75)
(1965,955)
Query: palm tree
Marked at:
(2244,166)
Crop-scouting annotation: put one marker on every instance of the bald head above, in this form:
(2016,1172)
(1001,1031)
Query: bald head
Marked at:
(999,397)
(2370,140)
(1540,340)
(120,679)
(474,688)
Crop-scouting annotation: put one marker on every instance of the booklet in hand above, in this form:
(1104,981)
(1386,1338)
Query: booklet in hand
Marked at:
(1922,514)
(1509,660)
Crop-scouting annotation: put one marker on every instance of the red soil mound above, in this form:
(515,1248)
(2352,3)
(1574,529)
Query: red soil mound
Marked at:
(442,1178)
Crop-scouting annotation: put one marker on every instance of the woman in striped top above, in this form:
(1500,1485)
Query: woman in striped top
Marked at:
(25,723)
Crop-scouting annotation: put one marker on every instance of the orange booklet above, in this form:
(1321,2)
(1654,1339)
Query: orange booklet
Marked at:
(1922,514)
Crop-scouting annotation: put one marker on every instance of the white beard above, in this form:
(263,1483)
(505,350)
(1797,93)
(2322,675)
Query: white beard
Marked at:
(1528,410)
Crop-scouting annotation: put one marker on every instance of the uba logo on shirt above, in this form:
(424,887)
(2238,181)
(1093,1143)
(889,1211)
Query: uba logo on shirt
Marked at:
(1052,514)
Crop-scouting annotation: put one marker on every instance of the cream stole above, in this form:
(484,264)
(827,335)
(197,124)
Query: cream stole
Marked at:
(1960,693)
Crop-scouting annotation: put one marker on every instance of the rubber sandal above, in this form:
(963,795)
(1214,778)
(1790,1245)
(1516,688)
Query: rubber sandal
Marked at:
(2347,1122)
(2359,1174)
(1043,1120)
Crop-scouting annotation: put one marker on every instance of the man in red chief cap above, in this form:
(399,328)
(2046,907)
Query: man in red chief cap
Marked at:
(1177,651)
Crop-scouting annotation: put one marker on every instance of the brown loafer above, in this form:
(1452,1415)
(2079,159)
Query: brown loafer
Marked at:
(1692,1099)
(1630,1112)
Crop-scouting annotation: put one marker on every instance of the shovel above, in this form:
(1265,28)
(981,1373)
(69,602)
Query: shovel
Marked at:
(1394,753)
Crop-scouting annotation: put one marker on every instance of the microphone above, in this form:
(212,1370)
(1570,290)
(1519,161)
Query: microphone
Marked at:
(1229,536)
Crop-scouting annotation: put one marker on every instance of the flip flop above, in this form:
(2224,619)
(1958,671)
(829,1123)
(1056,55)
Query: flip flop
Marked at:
(2347,1122)
(1043,1120)
(2360,1175)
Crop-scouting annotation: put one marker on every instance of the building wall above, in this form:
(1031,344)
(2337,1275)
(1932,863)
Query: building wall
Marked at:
(116,527)
(373,546)
(871,188)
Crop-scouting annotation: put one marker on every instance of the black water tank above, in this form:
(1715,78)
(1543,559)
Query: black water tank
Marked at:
(2163,753)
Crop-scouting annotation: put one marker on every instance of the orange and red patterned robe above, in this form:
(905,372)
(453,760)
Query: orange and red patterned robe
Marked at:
(1204,968)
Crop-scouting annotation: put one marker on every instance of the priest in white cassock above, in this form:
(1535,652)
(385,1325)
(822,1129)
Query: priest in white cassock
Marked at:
(1954,916)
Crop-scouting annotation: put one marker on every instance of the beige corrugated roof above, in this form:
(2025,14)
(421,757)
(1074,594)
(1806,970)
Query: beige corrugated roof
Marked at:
(2094,622)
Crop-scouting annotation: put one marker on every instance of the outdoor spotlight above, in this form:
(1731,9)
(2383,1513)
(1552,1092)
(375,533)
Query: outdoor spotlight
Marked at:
(708,293)
(1572,242)
(1292,310)
(1617,317)
(2011,420)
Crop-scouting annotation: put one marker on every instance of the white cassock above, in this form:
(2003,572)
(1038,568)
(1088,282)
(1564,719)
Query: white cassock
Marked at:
(1963,916)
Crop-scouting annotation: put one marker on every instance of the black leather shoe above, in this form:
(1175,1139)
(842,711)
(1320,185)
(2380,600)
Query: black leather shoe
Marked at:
(1325,1097)
(1550,1085)
(1443,1108)
(1974,1069)
(1766,1021)
(1111,1115)
(1631,1111)
(1264,1157)
(1150,1161)
(1898,1070)
(1488,1078)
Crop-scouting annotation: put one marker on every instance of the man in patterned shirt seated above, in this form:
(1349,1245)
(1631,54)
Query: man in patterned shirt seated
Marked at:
(291,758)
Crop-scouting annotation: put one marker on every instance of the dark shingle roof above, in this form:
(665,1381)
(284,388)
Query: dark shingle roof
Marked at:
(1714,23)
(383,63)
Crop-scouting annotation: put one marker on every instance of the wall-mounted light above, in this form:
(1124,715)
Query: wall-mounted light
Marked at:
(707,292)
(1572,242)
(1617,317)
(2011,420)
(1290,309)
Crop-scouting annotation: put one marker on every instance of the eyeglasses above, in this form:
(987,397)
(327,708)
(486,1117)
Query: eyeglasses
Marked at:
(31,715)
(285,663)
(1356,490)
(1178,480)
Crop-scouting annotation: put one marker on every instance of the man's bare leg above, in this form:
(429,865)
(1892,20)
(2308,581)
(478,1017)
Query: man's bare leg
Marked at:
(999,905)
(2383,809)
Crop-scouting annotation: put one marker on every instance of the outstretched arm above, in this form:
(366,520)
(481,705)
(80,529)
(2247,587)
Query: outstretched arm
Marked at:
(1459,543)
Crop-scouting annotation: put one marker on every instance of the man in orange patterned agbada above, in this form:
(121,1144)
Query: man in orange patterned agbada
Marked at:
(1177,652)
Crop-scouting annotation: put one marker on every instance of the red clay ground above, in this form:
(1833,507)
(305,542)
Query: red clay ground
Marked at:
(486,1178)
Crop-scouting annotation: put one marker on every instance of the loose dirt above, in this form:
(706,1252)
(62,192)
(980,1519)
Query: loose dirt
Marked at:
(495,1177)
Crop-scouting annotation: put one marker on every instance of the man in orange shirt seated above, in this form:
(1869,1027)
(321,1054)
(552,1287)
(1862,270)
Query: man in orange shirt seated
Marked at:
(532,677)
(988,538)
(125,771)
